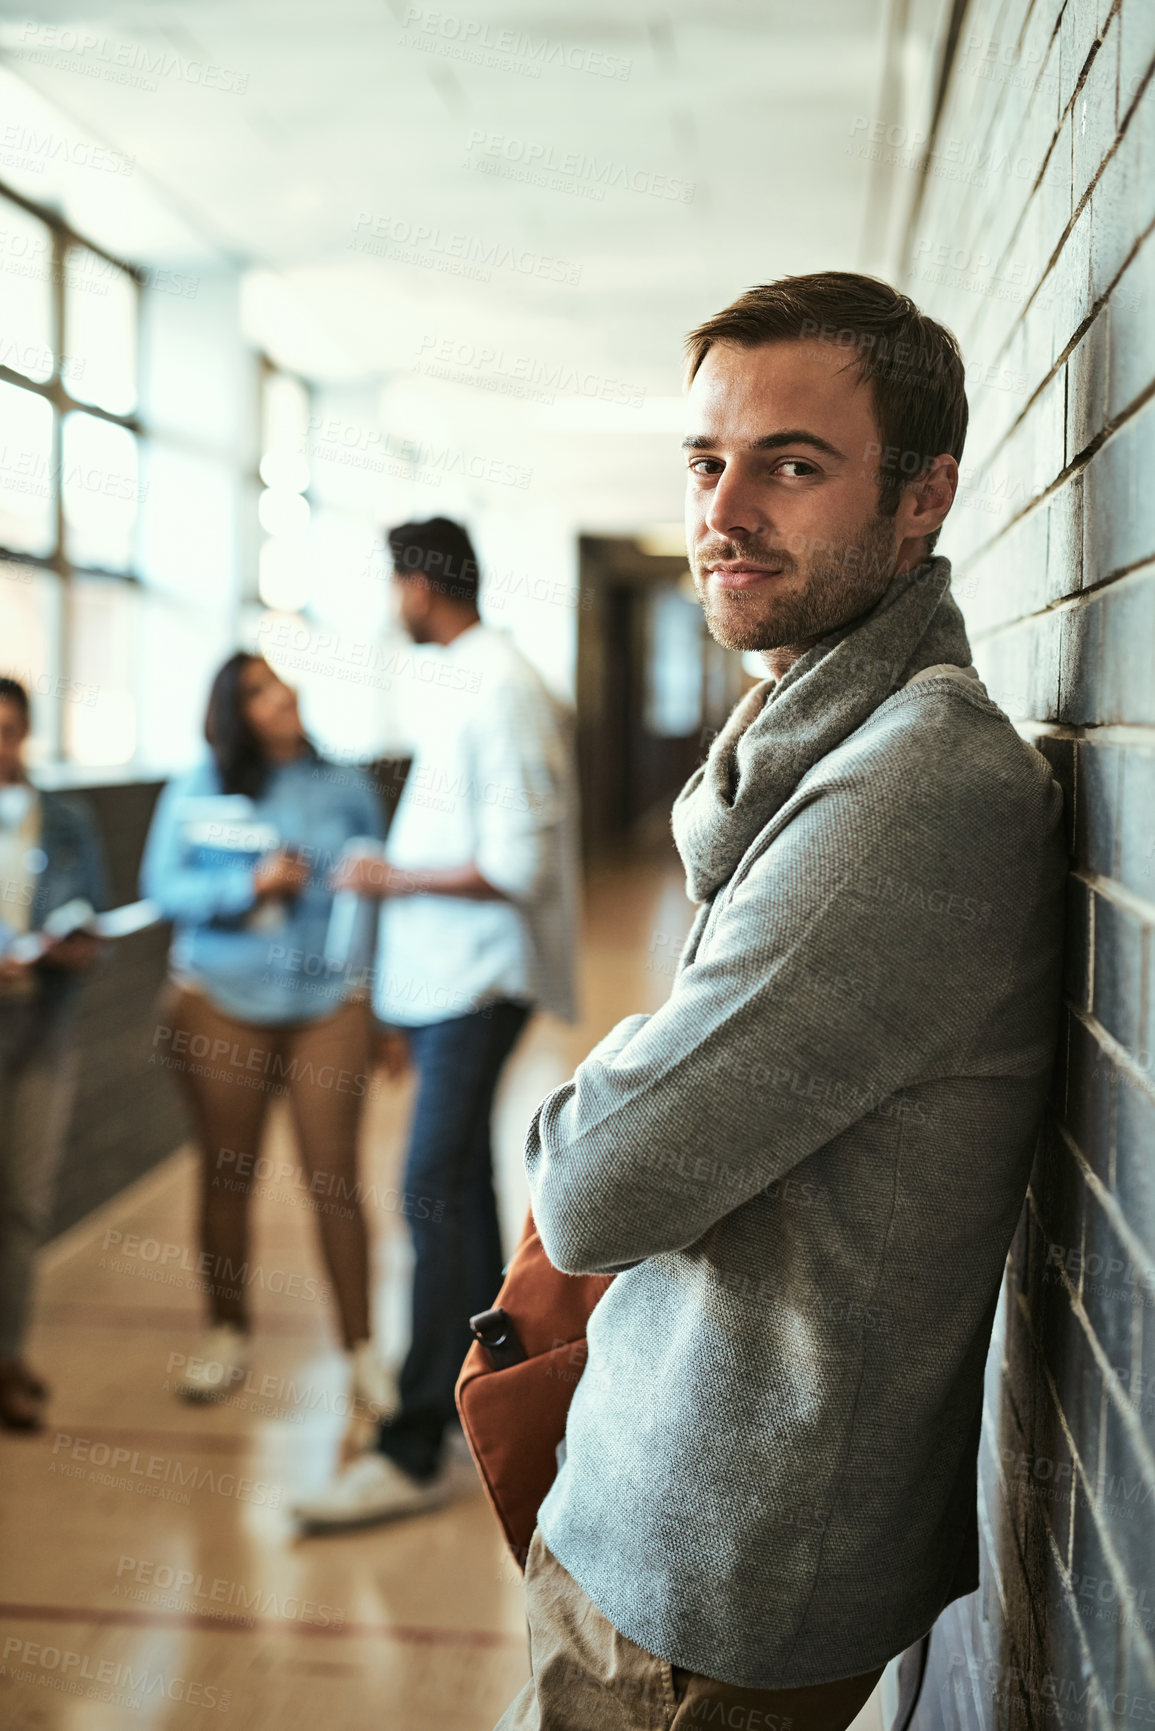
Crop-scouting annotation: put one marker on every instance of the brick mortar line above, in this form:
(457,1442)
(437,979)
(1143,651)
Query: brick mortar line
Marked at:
(1080,1632)
(1078,464)
(1080,81)
(1130,1422)
(1115,892)
(1084,74)
(1118,735)
(1097,306)
(1003,101)
(1119,1055)
(1071,604)
(1049,151)
(1147,1657)
(1137,1251)
(1122,126)
(990,1424)
(1028,1322)
(1083,457)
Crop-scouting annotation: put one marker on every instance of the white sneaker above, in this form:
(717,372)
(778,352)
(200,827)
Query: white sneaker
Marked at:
(373,1383)
(371,1488)
(221,1363)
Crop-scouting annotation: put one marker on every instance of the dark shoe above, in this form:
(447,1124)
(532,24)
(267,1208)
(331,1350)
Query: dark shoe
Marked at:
(36,1386)
(20,1409)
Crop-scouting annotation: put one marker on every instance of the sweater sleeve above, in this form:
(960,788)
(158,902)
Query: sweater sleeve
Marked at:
(841,970)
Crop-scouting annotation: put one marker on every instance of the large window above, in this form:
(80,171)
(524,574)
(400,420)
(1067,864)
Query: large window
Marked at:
(322,587)
(125,463)
(70,488)
(283,580)
(150,522)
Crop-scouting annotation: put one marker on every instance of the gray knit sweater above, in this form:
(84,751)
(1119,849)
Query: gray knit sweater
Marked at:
(808,1166)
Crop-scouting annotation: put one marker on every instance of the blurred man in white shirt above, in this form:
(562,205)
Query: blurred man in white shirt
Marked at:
(478,895)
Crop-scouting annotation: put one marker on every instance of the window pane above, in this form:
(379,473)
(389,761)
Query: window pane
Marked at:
(285,417)
(350,581)
(100,724)
(283,573)
(101,492)
(100,332)
(27,517)
(25,293)
(30,605)
(283,561)
(180,648)
(188,525)
(282,512)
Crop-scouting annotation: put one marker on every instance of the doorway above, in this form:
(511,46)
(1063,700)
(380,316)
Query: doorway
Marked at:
(652,690)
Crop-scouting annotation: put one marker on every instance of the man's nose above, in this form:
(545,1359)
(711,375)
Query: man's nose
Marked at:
(736,507)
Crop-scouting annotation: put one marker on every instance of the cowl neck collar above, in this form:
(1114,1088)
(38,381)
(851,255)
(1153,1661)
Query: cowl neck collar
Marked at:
(782,728)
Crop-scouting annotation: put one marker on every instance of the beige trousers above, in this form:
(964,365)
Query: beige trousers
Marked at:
(589,1677)
(325,1066)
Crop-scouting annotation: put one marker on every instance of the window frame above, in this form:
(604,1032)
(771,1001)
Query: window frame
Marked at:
(59,562)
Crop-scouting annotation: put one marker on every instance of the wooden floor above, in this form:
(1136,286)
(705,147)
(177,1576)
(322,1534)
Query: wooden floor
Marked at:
(149,1573)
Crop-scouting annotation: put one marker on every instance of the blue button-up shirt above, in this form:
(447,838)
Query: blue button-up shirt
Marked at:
(263,962)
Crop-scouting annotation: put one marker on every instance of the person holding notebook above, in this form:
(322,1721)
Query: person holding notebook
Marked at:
(241,856)
(49,858)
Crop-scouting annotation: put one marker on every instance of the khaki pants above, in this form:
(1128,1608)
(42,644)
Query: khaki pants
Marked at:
(326,1069)
(589,1677)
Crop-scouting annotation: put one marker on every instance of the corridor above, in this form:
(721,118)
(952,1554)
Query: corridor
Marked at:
(151,1574)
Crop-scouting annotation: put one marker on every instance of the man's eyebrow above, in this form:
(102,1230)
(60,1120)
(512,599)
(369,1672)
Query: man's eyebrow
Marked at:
(771,442)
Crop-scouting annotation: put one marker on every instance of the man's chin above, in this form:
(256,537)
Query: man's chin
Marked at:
(736,629)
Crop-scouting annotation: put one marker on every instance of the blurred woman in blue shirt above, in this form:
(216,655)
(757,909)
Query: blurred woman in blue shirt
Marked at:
(267,998)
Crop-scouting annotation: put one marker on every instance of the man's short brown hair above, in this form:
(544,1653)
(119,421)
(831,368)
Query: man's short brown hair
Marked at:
(913,365)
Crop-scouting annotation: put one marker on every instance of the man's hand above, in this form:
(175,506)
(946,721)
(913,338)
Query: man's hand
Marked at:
(372,877)
(392,1056)
(281,874)
(77,952)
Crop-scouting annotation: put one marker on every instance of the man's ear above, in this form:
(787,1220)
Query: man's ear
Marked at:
(925,504)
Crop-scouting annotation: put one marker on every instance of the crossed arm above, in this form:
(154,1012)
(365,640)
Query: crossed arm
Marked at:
(819,997)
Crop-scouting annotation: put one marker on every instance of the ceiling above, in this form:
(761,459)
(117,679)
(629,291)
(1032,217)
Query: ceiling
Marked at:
(500,220)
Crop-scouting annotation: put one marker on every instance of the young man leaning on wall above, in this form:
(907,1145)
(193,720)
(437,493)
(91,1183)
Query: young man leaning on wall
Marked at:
(769,1481)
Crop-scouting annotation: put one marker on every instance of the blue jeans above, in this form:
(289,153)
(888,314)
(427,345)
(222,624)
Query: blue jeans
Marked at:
(456,1237)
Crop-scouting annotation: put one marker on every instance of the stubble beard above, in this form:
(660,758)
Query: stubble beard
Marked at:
(844,580)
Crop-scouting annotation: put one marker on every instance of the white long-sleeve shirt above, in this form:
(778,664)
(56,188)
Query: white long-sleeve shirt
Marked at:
(491,782)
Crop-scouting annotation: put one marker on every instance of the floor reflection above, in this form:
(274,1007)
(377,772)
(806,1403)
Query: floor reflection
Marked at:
(151,1576)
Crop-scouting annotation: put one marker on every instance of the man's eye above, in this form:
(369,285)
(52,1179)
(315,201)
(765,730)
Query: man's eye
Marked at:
(799,465)
(705,465)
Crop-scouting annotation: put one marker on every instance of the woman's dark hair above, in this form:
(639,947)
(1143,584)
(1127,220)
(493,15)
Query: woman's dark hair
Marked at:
(11,691)
(241,763)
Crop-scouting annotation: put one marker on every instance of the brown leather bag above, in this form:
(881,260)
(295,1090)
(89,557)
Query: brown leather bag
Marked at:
(518,1379)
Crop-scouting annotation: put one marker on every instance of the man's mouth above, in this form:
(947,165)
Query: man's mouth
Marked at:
(741,575)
